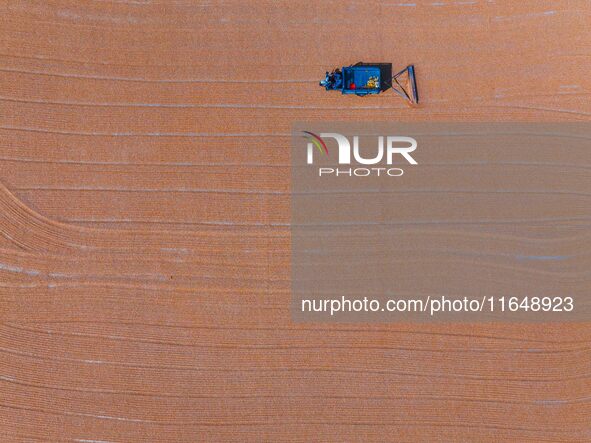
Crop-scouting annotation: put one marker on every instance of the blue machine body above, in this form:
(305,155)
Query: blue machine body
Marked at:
(359,79)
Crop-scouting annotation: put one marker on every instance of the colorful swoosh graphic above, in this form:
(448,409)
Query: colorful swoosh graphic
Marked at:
(318,142)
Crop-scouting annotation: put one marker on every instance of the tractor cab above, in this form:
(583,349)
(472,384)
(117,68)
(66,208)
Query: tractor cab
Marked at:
(333,80)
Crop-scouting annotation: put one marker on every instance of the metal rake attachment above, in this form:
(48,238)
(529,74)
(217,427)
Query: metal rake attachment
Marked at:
(409,92)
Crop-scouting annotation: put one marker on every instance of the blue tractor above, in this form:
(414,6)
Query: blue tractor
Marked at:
(364,79)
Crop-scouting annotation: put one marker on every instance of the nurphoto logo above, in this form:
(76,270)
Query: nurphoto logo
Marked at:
(389,148)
